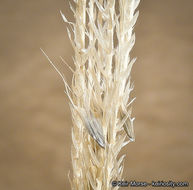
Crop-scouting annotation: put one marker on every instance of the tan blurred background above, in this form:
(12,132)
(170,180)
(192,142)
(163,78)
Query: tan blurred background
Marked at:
(35,120)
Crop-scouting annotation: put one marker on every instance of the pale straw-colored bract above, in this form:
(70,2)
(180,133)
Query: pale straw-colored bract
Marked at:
(100,102)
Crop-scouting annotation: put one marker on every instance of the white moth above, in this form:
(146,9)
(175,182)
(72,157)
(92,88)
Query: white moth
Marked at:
(94,129)
(129,130)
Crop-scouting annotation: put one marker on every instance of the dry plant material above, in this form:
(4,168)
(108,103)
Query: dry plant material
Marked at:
(100,102)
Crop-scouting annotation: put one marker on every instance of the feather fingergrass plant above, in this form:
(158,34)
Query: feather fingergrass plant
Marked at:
(102,38)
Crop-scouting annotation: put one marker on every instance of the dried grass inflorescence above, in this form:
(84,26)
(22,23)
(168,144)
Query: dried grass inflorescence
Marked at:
(100,102)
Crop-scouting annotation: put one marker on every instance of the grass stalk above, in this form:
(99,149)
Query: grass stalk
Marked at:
(102,38)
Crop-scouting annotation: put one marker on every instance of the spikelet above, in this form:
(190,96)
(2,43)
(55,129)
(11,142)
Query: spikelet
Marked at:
(102,38)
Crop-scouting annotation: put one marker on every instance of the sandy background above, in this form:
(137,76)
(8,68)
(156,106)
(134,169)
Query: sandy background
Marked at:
(35,120)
